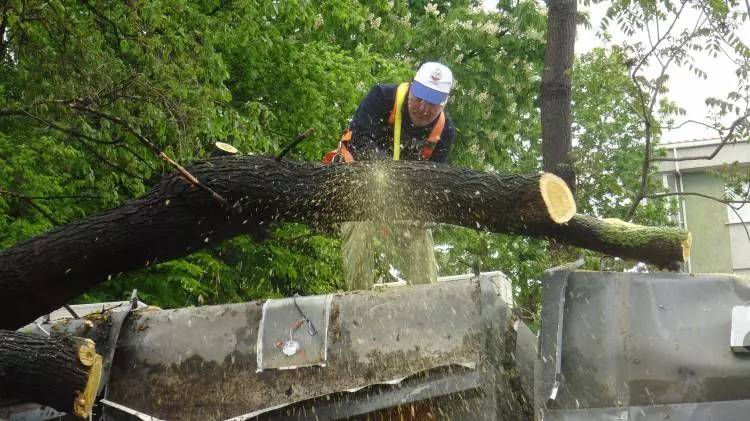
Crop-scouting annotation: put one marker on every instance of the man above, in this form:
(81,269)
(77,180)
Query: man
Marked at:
(408,122)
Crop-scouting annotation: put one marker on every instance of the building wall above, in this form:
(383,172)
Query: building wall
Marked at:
(707,222)
(740,248)
(730,153)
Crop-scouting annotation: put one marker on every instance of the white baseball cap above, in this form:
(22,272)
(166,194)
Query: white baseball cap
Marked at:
(432,83)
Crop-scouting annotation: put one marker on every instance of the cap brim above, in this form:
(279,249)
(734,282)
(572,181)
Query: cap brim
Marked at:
(428,94)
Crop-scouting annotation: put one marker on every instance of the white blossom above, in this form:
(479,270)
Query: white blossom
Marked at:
(318,21)
(461,24)
(490,28)
(406,18)
(432,9)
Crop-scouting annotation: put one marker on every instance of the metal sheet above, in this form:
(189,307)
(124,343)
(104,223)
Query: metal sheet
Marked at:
(740,336)
(706,411)
(200,363)
(641,339)
(294,332)
(29,412)
(526,353)
(344,406)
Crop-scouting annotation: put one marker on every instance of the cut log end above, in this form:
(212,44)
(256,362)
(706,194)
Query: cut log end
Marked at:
(224,149)
(87,352)
(687,243)
(557,196)
(84,401)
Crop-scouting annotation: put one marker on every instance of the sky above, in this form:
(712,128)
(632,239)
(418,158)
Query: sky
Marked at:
(685,88)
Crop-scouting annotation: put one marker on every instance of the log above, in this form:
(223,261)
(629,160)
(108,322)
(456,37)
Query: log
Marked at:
(664,247)
(62,372)
(223,149)
(175,219)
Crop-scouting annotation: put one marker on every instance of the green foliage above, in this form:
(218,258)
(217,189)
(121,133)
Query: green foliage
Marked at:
(255,73)
(610,138)
(609,142)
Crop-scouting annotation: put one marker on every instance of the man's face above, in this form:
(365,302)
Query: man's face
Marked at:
(422,112)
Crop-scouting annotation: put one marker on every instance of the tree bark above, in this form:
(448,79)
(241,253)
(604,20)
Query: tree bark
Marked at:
(175,219)
(555,95)
(61,372)
(661,246)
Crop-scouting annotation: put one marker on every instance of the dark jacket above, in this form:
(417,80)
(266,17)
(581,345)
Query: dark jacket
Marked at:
(372,136)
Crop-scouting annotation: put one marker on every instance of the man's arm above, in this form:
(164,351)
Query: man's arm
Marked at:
(368,126)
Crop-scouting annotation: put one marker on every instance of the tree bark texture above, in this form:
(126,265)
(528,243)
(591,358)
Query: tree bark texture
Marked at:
(59,372)
(555,95)
(661,246)
(174,219)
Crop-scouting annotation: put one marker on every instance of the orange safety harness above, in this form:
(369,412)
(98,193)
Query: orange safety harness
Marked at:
(342,154)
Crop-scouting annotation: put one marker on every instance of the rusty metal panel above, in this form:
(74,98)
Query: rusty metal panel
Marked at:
(200,363)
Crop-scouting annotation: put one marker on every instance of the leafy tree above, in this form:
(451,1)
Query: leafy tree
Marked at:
(87,84)
(608,139)
(679,33)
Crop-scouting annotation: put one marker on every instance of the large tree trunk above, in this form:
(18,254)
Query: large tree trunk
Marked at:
(175,219)
(61,372)
(555,96)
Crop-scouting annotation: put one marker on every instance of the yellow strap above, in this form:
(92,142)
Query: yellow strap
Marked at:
(400,95)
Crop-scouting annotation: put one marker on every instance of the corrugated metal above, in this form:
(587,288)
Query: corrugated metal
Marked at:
(632,340)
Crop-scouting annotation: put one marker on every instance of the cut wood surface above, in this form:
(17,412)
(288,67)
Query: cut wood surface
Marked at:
(61,372)
(175,219)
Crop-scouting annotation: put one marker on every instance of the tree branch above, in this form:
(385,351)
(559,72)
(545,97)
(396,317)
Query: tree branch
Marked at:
(69,131)
(719,147)
(690,121)
(124,124)
(80,136)
(3,27)
(173,219)
(648,110)
(715,199)
(137,156)
(659,40)
(61,197)
(54,221)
